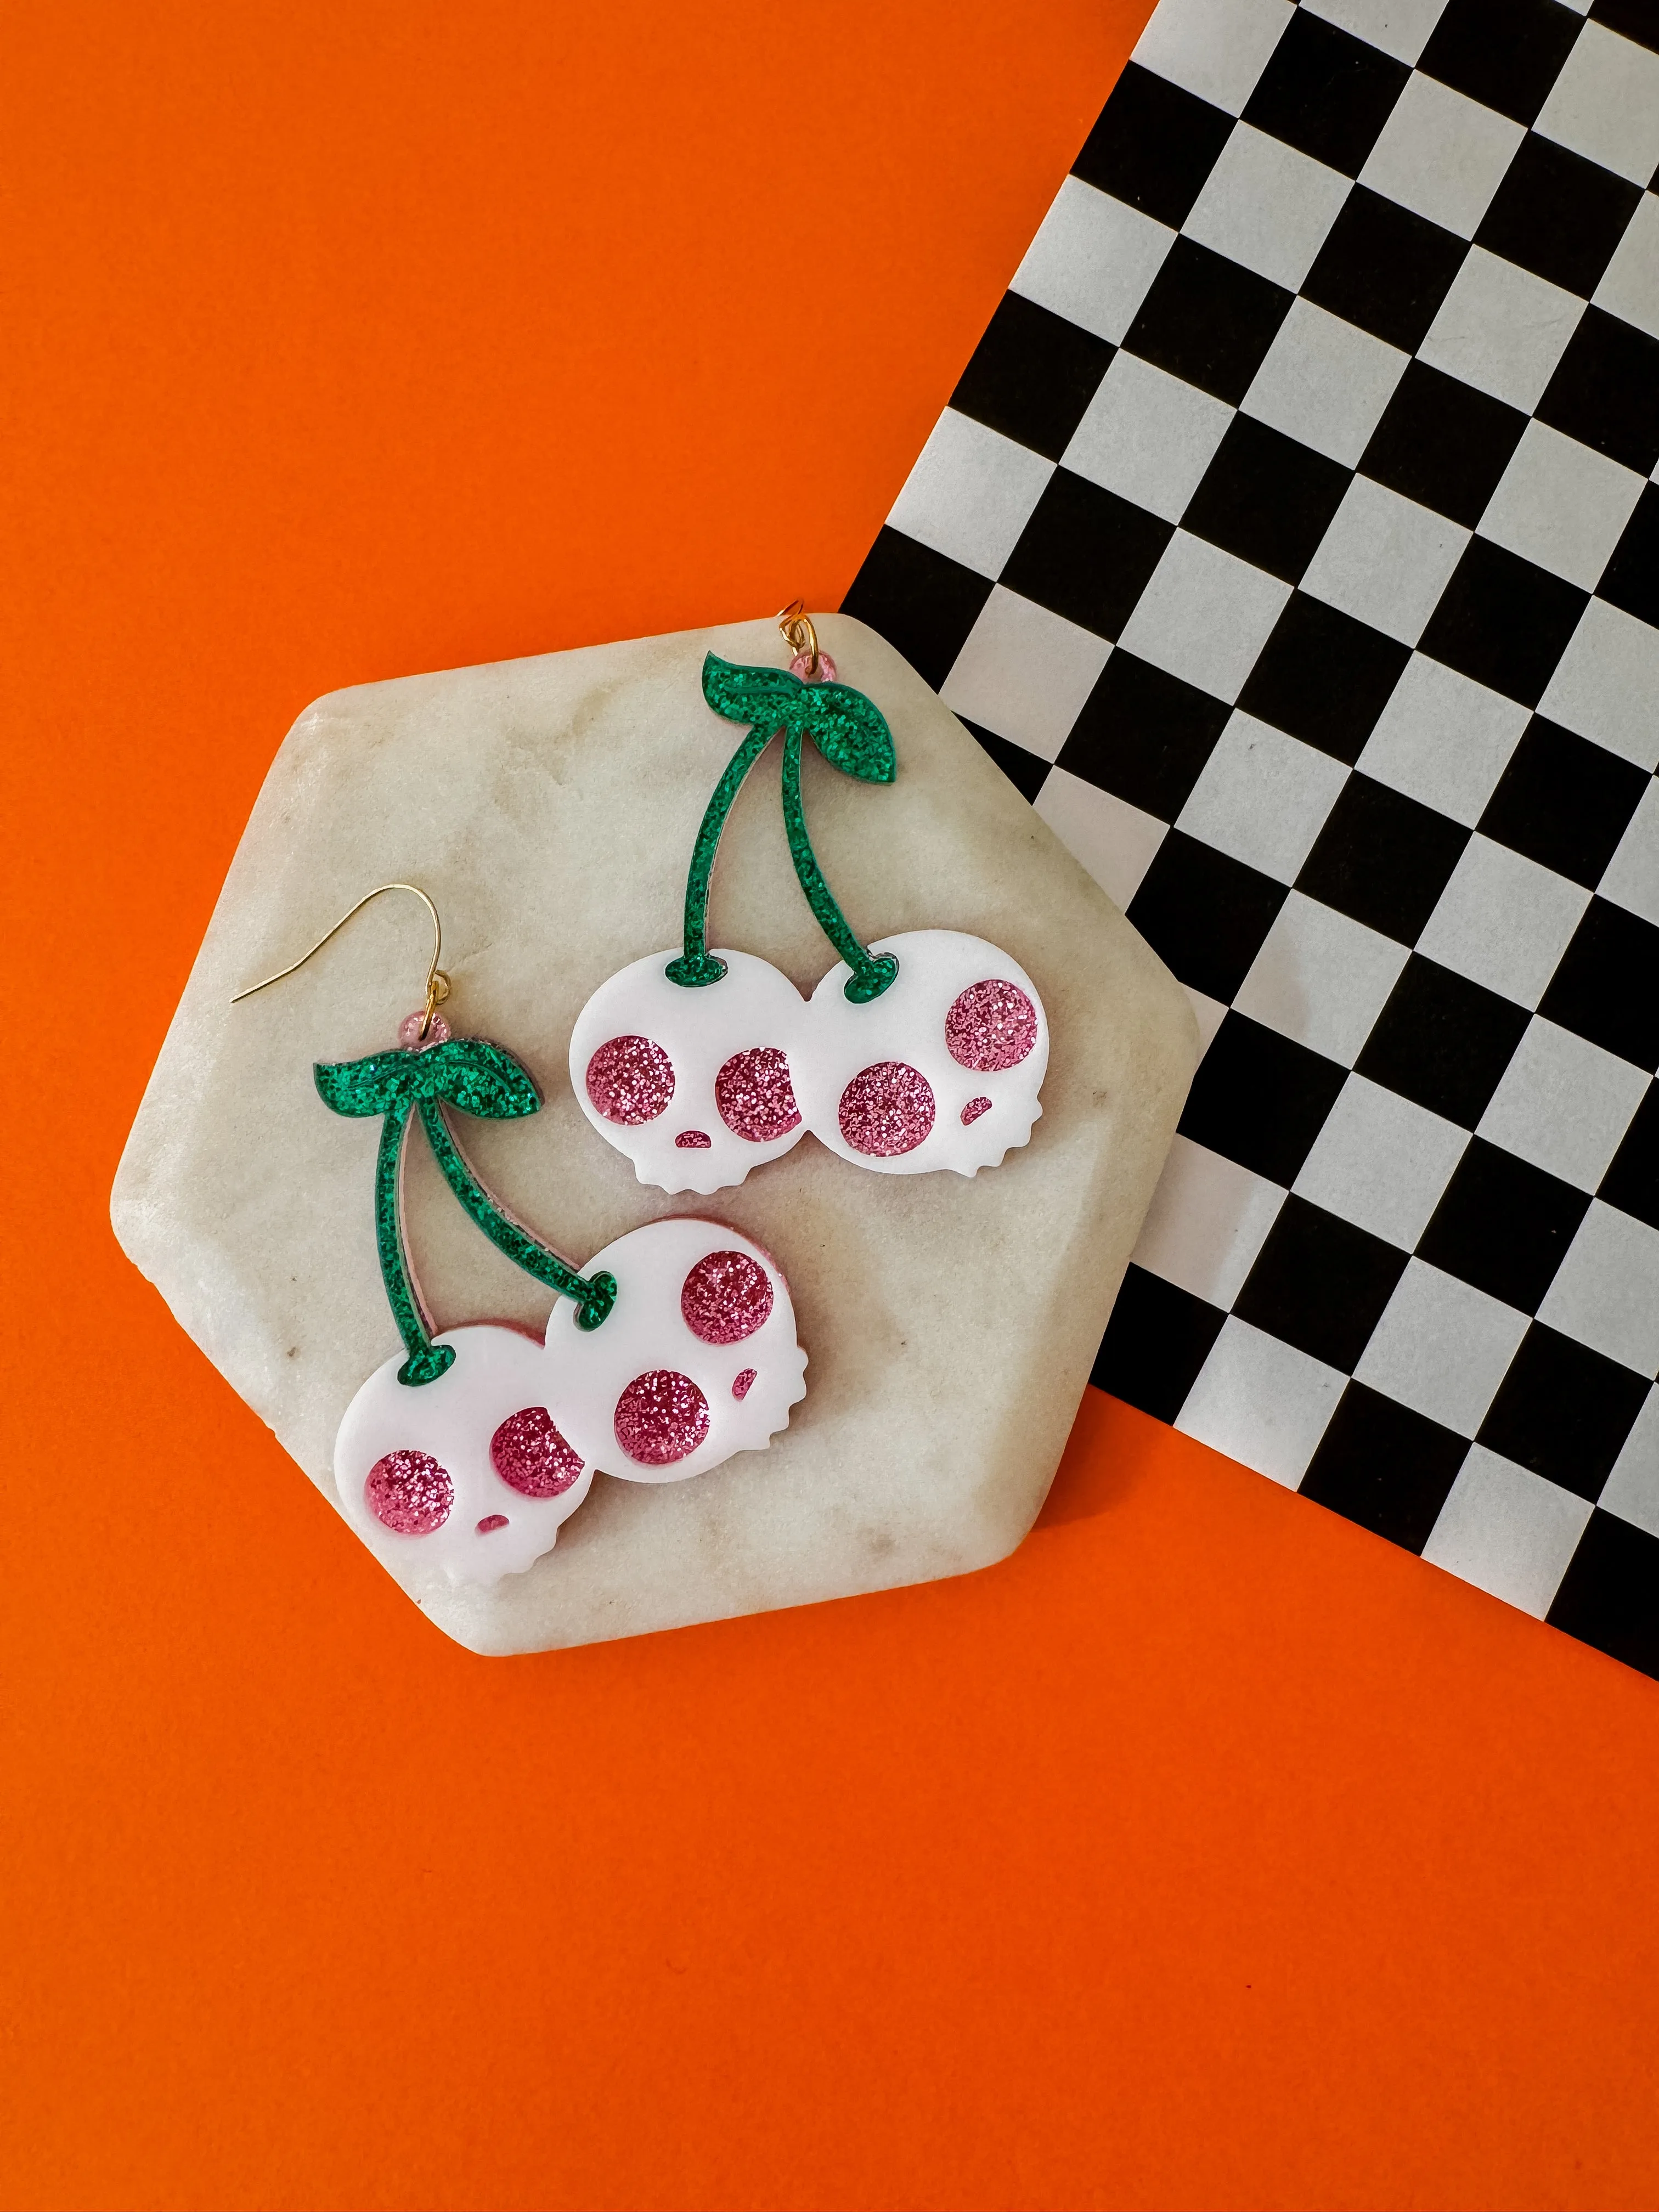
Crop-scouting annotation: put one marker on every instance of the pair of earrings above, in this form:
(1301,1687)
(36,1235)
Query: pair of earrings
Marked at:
(675,1347)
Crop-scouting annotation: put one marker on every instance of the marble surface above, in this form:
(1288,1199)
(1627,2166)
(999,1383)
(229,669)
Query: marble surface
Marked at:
(548,806)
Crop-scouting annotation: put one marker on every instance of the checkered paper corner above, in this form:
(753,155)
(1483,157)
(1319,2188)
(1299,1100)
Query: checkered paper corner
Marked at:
(1292,541)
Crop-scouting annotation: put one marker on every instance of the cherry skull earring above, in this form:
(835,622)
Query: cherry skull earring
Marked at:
(673,1349)
(923,1050)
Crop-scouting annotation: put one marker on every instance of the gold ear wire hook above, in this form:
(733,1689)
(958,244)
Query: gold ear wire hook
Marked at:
(437,984)
(798,633)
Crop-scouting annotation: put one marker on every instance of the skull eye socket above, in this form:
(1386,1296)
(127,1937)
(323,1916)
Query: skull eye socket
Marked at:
(660,1418)
(991,1026)
(410,1493)
(630,1079)
(755,1097)
(724,1297)
(532,1457)
(887,1109)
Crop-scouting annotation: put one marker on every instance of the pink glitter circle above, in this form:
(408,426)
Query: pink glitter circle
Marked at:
(801,665)
(992,1025)
(726,1297)
(756,1098)
(409,1493)
(693,1140)
(973,1109)
(661,1417)
(630,1080)
(490,1522)
(886,1109)
(532,1457)
(744,1383)
(409,1031)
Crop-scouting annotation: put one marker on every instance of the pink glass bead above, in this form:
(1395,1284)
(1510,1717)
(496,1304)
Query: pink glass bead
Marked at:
(973,1109)
(693,1140)
(744,1383)
(753,1095)
(823,673)
(630,1080)
(532,1457)
(992,1025)
(409,1493)
(409,1031)
(887,1109)
(490,1521)
(726,1297)
(660,1418)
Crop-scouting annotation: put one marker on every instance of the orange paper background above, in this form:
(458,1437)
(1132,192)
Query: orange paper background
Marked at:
(1209,1851)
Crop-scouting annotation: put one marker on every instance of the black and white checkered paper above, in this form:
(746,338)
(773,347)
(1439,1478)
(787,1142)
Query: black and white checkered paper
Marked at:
(1292,541)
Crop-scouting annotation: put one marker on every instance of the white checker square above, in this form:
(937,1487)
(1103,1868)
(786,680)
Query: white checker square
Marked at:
(1385,560)
(1442,155)
(1216,48)
(1267,206)
(1261,1401)
(1204,616)
(1208,1219)
(1631,1490)
(1024,673)
(1382,1162)
(1606,1292)
(1113,841)
(1503,920)
(1604,104)
(1400,27)
(1507,1531)
(970,493)
(1263,796)
(1325,382)
(1605,684)
(1501,329)
(1632,877)
(1321,978)
(1441,1348)
(1563,1103)
(1561,505)
(1444,739)
(1208,1013)
(1093,260)
(1630,283)
(1147,436)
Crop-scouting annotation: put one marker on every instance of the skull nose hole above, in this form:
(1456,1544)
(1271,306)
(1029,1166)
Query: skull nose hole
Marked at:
(491,1521)
(693,1140)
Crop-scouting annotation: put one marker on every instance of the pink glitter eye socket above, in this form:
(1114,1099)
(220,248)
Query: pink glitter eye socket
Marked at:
(693,1140)
(726,1297)
(744,1383)
(410,1493)
(630,1080)
(887,1109)
(991,1026)
(660,1418)
(532,1457)
(755,1097)
(973,1109)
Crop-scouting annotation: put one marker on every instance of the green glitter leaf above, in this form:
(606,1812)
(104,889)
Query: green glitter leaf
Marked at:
(849,730)
(479,1078)
(749,695)
(384,1081)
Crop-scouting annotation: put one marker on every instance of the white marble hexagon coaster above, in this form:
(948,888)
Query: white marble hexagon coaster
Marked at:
(548,806)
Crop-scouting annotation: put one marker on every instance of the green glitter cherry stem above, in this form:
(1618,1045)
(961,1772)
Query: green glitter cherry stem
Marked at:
(871,975)
(427,1361)
(697,964)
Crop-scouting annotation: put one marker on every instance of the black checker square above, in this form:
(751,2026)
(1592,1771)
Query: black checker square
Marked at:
(1443,443)
(1027,771)
(1504,53)
(1636,19)
(1503,1225)
(1563,1411)
(1157,1338)
(1205,913)
(1323,676)
(922,602)
(1153,145)
(1144,735)
(1558,215)
(1260,1098)
(1564,802)
(1032,375)
(1086,554)
(1609,1595)
(1320,1283)
(1631,579)
(1385,1466)
(1384,269)
(1443,1042)
(1605,390)
(1266,497)
(1504,621)
(1632,1183)
(1207,320)
(1606,986)
(1384,858)
(1326,94)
